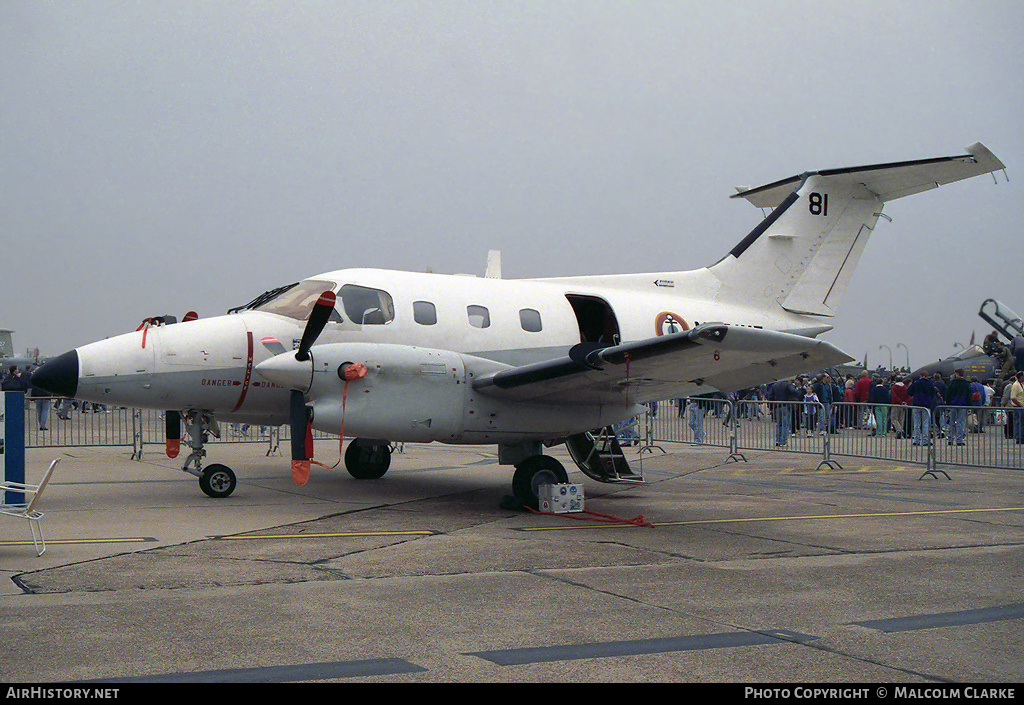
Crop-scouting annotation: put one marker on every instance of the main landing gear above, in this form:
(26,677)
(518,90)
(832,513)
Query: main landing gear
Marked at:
(531,473)
(215,480)
(367,459)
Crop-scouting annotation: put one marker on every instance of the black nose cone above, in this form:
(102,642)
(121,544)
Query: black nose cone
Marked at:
(59,375)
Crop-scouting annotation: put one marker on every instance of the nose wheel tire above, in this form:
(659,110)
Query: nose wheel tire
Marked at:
(217,481)
(533,472)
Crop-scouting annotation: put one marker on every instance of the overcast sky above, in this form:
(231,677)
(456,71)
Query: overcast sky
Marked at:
(157,157)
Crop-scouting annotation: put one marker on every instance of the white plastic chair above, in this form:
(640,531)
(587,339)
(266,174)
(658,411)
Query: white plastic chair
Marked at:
(28,511)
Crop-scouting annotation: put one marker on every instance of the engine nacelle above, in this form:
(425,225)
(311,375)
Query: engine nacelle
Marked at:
(408,393)
(418,395)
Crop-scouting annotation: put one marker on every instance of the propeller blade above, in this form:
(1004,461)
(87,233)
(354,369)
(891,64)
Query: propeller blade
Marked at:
(298,416)
(318,318)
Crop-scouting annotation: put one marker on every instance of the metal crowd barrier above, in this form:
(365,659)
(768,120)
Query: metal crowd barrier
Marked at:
(955,436)
(50,422)
(96,425)
(978,436)
(933,438)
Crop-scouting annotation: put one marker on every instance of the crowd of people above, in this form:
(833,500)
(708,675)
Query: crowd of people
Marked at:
(921,407)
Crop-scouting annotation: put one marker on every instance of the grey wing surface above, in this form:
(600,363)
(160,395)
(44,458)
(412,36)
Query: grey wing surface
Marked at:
(713,356)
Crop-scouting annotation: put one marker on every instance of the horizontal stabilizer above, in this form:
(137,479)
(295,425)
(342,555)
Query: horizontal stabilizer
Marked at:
(888,181)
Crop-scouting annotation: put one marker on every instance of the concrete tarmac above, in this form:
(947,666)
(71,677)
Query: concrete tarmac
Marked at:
(753,572)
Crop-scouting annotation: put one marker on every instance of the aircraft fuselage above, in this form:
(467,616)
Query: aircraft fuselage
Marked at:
(211,364)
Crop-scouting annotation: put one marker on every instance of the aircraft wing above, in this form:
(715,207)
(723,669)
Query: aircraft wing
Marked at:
(713,356)
(888,181)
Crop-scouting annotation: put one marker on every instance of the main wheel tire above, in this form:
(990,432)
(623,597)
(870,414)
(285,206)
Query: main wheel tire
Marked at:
(217,481)
(533,472)
(367,462)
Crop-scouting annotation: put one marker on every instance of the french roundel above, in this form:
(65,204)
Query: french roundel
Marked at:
(668,322)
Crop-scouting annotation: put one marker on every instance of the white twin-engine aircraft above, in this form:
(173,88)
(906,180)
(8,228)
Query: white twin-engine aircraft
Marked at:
(387,357)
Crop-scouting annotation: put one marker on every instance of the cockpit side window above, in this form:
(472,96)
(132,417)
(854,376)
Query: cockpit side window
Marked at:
(295,301)
(367,306)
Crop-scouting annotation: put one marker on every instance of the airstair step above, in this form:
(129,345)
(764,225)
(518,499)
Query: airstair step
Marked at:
(600,457)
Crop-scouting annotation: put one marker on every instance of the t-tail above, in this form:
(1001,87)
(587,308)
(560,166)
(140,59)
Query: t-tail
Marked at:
(801,257)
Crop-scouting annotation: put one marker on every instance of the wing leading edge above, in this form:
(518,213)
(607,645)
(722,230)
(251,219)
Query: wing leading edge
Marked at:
(713,356)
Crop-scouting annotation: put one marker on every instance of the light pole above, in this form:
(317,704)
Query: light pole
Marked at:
(890,353)
(906,351)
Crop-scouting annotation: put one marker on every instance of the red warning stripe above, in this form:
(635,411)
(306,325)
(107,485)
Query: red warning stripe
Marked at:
(248,372)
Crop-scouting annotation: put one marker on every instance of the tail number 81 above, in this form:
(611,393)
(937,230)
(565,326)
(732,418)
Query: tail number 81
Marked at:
(818,204)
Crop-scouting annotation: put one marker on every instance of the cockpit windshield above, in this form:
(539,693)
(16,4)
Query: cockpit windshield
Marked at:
(362,304)
(294,300)
(968,353)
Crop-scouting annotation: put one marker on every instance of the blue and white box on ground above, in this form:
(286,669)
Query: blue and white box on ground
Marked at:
(560,499)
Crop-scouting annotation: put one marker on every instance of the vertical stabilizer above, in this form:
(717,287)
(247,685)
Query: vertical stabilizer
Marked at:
(6,344)
(801,257)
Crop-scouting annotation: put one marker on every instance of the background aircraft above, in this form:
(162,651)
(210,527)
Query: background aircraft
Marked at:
(385,356)
(974,360)
(1002,319)
(7,356)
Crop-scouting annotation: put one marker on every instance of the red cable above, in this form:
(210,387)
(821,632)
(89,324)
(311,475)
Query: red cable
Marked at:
(352,373)
(607,518)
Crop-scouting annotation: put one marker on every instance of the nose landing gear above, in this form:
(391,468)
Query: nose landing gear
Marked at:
(215,480)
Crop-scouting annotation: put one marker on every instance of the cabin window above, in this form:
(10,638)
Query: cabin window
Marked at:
(366,306)
(530,320)
(424,313)
(479,316)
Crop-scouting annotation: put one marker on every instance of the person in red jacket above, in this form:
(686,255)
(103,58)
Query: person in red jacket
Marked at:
(861,390)
(849,410)
(900,400)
